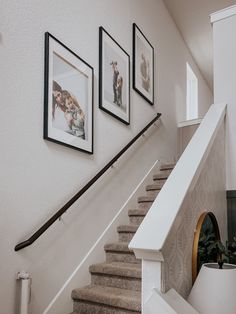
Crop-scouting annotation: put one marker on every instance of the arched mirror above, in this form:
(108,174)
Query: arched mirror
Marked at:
(207,231)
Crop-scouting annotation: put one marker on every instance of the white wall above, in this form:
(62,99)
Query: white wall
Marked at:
(38,176)
(224,83)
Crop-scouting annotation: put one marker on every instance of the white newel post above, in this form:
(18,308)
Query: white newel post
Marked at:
(151,278)
(152,267)
(154,297)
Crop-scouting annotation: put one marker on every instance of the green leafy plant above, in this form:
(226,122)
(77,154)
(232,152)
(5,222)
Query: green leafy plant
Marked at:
(212,250)
(206,253)
(231,247)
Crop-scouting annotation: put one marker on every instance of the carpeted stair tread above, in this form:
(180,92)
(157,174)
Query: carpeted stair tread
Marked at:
(137,212)
(157,185)
(152,187)
(167,166)
(166,172)
(127,228)
(117,247)
(115,297)
(120,252)
(144,199)
(160,177)
(126,232)
(117,269)
(116,284)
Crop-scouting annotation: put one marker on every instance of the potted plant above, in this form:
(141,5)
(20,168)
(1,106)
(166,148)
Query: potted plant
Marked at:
(213,250)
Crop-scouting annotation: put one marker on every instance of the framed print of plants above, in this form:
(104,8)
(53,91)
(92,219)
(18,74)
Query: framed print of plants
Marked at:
(143,65)
(68,97)
(114,78)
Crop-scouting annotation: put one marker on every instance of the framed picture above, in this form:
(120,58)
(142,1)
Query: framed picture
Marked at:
(114,78)
(143,65)
(68,97)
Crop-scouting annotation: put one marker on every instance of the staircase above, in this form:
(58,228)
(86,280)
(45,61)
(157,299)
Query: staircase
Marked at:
(116,284)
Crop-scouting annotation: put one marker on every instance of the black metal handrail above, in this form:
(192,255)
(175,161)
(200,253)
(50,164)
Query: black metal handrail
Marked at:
(61,211)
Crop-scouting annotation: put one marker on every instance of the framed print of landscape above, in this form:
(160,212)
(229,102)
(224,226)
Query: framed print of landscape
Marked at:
(143,65)
(114,78)
(68,97)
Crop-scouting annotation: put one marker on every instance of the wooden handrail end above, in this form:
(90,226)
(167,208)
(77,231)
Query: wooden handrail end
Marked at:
(22,245)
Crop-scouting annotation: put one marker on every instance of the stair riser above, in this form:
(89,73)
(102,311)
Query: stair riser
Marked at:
(116,288)
(166,172)
(121,257)
(90,308)
(125,236)
(160,176)
(152,193)
(159,183)
(167,166)
(136,220)
(117,282)
(145,205)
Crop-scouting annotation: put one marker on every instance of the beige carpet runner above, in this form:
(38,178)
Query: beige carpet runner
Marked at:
(116,284)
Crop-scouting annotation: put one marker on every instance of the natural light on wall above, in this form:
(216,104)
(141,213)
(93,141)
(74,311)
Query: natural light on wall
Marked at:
(192,94)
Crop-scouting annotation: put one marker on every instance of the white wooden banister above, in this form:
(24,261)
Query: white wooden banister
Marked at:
(163,217)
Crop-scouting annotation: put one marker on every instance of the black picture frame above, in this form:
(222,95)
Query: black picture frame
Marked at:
(143,65)
(114,77)
(68,97)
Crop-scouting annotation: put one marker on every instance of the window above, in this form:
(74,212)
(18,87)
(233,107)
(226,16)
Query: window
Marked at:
(192,95)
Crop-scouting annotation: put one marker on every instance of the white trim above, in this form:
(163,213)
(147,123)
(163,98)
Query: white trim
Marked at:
(63,295)
(151,277)
(149,255)
(182,124)
(168,303)
(191,93)
(223,14)
(163,214)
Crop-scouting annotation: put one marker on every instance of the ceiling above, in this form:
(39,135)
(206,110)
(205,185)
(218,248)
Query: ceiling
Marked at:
(193,22)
